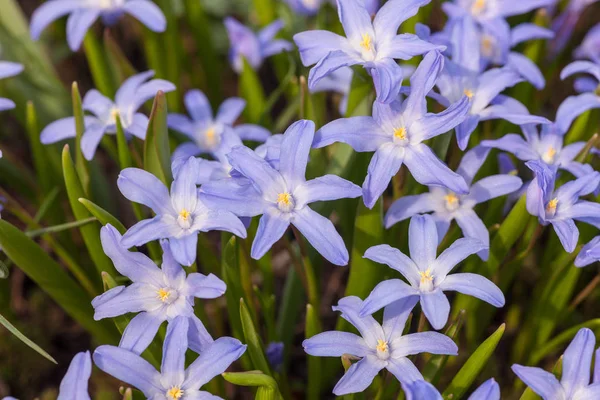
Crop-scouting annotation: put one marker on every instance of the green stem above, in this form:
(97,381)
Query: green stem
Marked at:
(59,228)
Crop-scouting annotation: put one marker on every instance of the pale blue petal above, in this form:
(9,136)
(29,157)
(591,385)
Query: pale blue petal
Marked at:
(198,337)
(252,132)
(142,187)
(573,107)
(589,254)
(126,93)
(421,83)
(148,91)
(325,188)
(219,220)
(386,293)
(395,316)
(276,46)
(242,200)
(581,67)
(392,14)
(197,105)
(140,331)
(577,362)
(331,62)
(528,31)
(74,385)
(422,241)
(62,129)
(96,103)
(184,194)
(436,308)
(174,348)
(465,129)
(591,392)
(514,144)
(428,170)
(295,147)
(541,382)
(473,227)
(387,77)
(321,234)
(421,390)
(315,45)
(456,253)
(407,45)
(269,32)
(147,230)
(386,163)
(489,390)
(527,69)
(395,259)
(474,285)
(431,125)
(134,298)
(423,342)
(214,360)
(361,133)
(78,24)
(181,123)
(567,233)
(359,376)
(493,186)
(184,249)
(147,13)
(354,18)
(129,368)
(491,83)
(408,206)
(336,344)
(230,110)
(404,370)
(6,104)
(204,286)
(263,176)
(369,329)
(271,228)
(50,11)
(471,163)
(91,139)
(9,69)
(172,271)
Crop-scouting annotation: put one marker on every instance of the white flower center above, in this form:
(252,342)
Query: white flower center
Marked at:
(367,47)
(549,155)
(551,207)
(383,349)
(210,138)
(109,4)
(451,201)
(185,219)
(167,295)
(426,283)
(478,7)
(400,136)
(285,202)
(487,45)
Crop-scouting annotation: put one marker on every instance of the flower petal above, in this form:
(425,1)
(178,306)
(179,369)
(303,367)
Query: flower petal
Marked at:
(567,233)
(325,188)
(74,385)
(436,308)
(204,286)
(488,390)
(577,362)
(423,342)
(408,206)
(242,200)
(140,331)
(271,227)
(48,12)
(387,77)
(473,227)
(395,316)
(392,14)
(184,249)
(354,18)
(147,13)
(142,187)
(78,24)
(147,230)
(386,293)
(361,133)
(395,259)
(422,241)
(541,382)
(265,178)
(315,45)
(230,110)
(514,144)
(476,286)
(428,170)
(456,253)
(333,61)
(295,147)
(134,298)
(404,370)
(386,163)
(335,344)
(573,107)
(359,376)
(174,348)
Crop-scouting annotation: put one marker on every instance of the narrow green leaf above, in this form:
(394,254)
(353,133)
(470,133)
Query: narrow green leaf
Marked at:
(231,276)
(81,164)
(360,97)
(59,228)
(3,271)
(253,340)
(103,216)
(469,371)
(251,89)
(12,329)
(90,233)
(313,327)
(43,168)
(157,154)
(560,340)
(433,370)
(265,10)
(117,61)
(250,378)
(99,67)
(53,279)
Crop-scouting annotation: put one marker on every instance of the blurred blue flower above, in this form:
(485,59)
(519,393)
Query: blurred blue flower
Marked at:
(564,24)
(83,14)
(311,7)
(174,381)
(379,346)
(589,254)
(575,381)
(282,195)
(490,12)
(7,70)
(421,390)
(274,353)
(255,48)
(180,215)
(134,92)
(590,46)
(156,294)
(396,133)
(561,207)
(428,275)
(447,206)
(588,86)
(372,44)
(207,132)
(488,390)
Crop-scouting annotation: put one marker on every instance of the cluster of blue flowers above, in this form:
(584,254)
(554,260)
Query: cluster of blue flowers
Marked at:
(465,68)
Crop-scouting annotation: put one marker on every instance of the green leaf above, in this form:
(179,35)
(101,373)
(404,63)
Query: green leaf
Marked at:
(117,61)
(432,372)
(44,169)
(53,279)
(253,340)
(59,228)
(12,329)
(361,95)
(251,89)
(103,216)
(469,371)
(90,233)
(313,327)
(157,154)
(265,10)
(230,273)
(99,67)
(81,164)
(267,386)
(560,340)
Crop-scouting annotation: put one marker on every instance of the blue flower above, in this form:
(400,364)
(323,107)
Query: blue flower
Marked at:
(156,294)
(373,45)
(180,215)
(379,346)
(207,132)
(83,14)
(589,253)
(173,382)
(7,70)
(590,46)
(422,390)
(282,195)
(311,7)
(396,133)
(274,353)
(588,86)
(489,12)
(575,381)
(448,206)
(255,48)
(565,23)
(428,275)
(134,92)
(561,207)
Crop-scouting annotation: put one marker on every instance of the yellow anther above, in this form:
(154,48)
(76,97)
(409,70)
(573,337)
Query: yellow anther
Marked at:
(184,214)
(549,155)
(400,133)
(175,393)
(426,276)
(367,42)
(469,93)
(163,295)
(284,199)
(487,45)
(551,206)
(451,200)
(211,136)
(478,6)
(382,346)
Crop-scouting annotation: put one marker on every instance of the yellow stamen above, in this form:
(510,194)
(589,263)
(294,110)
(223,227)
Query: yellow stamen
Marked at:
(184,214)
(163,294)
(550,153)
(382,346)
(367,42)
(469,93)
(175,393)
(477,6)
(426,276)
(551,206)
(211,135)
(451,200)
(400,133)
(284,198)
(487,45)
